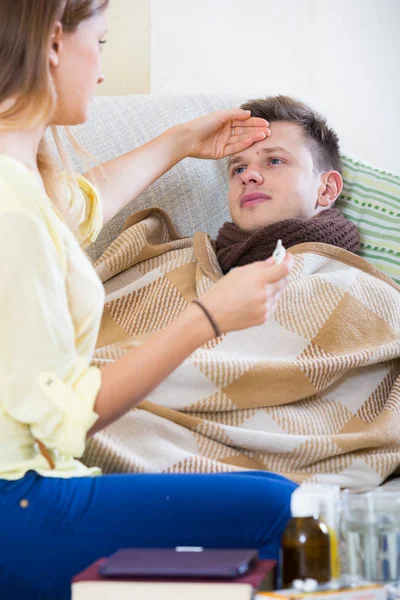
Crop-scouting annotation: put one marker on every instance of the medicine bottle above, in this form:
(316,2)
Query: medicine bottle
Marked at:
(306,544)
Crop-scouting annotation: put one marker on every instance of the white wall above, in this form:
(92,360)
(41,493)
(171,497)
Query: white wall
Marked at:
(126,56)
(341,56)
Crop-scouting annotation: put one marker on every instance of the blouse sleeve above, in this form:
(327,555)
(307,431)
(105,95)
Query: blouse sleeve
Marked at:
(44,383)
(84,207)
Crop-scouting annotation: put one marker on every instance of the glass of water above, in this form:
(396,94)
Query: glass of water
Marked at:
(371,528)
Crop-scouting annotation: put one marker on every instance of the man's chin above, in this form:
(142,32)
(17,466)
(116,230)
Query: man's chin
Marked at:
(255,225)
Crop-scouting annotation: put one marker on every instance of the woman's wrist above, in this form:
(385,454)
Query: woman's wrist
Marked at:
(182,138)
(201,330)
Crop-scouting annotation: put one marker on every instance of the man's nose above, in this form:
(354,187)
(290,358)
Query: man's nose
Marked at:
(252,175)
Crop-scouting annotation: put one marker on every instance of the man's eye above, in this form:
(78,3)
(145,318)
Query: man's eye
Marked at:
(102,42)
(239,170)
(275,161)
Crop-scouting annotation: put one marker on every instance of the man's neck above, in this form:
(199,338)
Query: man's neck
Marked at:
(236,247)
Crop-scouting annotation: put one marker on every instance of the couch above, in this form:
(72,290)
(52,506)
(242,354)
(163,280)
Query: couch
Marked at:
(193,193)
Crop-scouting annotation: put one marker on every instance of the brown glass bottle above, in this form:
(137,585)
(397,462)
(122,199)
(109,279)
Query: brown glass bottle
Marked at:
(305,548)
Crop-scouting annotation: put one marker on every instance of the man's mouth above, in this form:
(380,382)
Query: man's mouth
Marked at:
(254,198)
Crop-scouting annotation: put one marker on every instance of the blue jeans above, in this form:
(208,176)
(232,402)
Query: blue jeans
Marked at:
(66,524)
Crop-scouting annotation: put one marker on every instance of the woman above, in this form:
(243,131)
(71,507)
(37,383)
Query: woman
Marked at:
(55,517)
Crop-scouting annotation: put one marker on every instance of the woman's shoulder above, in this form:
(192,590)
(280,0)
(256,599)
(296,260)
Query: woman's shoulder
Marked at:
(26,210)
(21,190)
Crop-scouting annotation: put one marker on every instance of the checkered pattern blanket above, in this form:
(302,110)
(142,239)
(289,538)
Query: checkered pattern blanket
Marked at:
(313,394)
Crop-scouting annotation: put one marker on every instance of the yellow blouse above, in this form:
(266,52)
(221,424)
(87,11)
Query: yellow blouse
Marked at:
(51,302)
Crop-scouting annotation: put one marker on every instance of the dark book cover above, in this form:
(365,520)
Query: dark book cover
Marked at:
(261,576)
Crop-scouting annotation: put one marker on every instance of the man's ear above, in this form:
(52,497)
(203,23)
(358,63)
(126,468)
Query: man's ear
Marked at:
(329,189)
(55,45)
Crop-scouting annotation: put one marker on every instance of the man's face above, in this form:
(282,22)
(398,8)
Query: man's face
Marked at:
(273,180)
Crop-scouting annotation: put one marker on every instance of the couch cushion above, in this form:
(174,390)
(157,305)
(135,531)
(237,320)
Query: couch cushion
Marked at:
(371,199)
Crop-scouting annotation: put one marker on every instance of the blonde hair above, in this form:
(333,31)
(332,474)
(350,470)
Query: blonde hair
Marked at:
(27,91)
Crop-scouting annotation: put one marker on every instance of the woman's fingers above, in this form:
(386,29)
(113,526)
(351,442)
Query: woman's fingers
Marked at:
(237,133)
(244,133)
(248,295)
(273,272)
(270,308)
(269,271)
(274,292)
(256,135)
(250,122)
(277,286)
(241,142)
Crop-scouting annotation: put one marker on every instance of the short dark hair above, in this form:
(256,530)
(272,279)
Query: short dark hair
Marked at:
(322,140)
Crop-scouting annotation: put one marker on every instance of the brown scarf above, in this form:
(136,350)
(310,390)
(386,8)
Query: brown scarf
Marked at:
(236,247)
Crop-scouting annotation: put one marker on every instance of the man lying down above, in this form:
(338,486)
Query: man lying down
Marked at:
(314,393)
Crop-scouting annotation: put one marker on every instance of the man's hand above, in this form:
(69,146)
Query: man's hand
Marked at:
(224,132)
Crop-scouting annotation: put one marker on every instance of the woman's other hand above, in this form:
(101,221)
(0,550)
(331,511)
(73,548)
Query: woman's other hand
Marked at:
(247,296)
(224,132)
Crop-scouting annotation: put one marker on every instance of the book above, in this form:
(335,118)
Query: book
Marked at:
(91,585)
(180,562)
(362,592)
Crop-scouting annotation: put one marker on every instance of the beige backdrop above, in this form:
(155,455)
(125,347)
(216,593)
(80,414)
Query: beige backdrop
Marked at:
(126,56)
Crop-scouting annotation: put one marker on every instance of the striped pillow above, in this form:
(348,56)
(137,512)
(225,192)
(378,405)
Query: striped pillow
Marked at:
(371,199)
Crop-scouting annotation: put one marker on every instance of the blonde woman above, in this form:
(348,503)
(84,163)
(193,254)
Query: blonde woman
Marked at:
(56,516)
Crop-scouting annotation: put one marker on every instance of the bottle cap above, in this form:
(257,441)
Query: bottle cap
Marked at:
(303,505)
(328,497)
(310,585)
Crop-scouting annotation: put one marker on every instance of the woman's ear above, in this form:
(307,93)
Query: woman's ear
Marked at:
(330,188)
(55,45)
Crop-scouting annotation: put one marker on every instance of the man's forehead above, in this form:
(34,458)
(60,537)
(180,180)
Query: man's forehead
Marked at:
(285,137)
(263,151)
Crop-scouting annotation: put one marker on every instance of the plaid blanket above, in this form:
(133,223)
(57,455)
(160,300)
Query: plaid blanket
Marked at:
(313,394)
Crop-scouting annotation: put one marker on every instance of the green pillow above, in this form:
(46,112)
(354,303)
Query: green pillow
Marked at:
(371,199)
